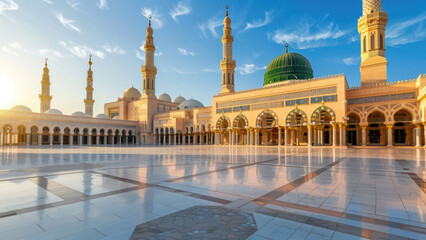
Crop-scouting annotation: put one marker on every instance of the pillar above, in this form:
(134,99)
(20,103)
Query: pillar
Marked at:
(97,139)
(89,139)
(334,135)
(424,129)
(164,139)
(80,140)
(389,135)
(71,139)
(251,137)
(256,138)
(62,139)
(50,139)
(1,139)
(28,139)
(39,139)
(174,139)
(315,136)
(344,135)
(292,137)
(309,135)
(364,136)
(418,144)
(341,127)
(279,136)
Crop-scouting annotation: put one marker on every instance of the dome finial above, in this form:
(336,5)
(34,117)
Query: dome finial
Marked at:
(45,61)
(286,48)
(149,19)
(90,61)
(226,6)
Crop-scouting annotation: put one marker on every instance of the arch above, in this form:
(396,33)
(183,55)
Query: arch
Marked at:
(372,43)
(238,118)
(45,135)
(67,132)
(376,117)
(263,113)
(320,109)
(220,120)
(296,111)
(34,135)
(364,44)
(353,118)
(382,42)
(403,115)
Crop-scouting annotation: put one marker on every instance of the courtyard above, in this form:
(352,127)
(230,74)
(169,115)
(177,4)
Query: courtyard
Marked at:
(212,192)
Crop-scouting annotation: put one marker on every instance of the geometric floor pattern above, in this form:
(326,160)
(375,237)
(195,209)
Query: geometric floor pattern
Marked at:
(205,192)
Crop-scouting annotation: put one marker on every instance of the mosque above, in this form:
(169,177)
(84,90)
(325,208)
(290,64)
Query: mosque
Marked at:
(293,108)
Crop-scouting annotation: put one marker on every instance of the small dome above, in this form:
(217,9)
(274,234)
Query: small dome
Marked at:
(165,97)
(101,115)
(79,114)
(54,111)
(132,93)
(21,108)
(190,104)
(288,66)
(116,117)
(179,100)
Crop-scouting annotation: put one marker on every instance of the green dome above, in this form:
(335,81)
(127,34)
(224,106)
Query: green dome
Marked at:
(288,66)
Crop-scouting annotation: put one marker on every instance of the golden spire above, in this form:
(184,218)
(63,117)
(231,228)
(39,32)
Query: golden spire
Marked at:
(90,61)
(149,19)
(45,61)
(286,48)
(226,6)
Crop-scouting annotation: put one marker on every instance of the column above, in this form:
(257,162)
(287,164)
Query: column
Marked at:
(71,139)
(39,139)
(341,135)
(174,139)
(27,137)
(292,137)
(1,139)
(364,136)
(50,139)
(315,143)
(89,139)
(97,139)
(334,135)
(389,135)
(105,139)
(233,137)
(252,140)
(344,135)
(256,138)
(279,136)
(164,139)
(62,139)
(418,144)
(424,129)
(309,135)
(285,136)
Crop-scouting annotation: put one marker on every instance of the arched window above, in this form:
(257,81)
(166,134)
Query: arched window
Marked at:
(223,79)
(229,78)
(147,84)
(364,43)
(372,42)
(381,42)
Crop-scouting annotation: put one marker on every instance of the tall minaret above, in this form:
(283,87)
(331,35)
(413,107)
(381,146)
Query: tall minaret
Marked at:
(227,64)
(45,97)
(88,101)
(372,27)
(149,71)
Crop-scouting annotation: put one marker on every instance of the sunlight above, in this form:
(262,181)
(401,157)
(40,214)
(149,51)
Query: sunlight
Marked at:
(7,90)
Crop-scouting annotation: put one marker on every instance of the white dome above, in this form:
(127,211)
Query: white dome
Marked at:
(165,97)
(132,93)
(179,100)
(21,108)
(54,111)
(116,117)
(190,104)
(101,115)
(79,114)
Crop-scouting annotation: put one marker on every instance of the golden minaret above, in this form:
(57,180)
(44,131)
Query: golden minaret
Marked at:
(149,71)
(88,101)
(372,27)
(45,97)
(227,64)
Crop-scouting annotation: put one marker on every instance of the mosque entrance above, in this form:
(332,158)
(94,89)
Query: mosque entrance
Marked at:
(352,138)
(374,136)
(327,136)
(400,136)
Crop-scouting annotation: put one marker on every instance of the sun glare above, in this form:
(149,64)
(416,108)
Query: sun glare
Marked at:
(6,91)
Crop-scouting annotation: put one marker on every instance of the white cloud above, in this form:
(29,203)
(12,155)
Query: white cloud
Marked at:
(249,69)
(138,55)
(156,20)
(12,48)
(258,23)
(68,23)
(103,4)
(211,70)
(183,72)
(73,3)
(50,53)
(81,51)
(185,52)
(210,25)
(8,5)
(180,10)
(117,50)
(408,31)
(352,60)
(311,35)
(47,1)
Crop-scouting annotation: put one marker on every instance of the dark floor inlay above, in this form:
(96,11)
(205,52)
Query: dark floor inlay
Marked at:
(199,222)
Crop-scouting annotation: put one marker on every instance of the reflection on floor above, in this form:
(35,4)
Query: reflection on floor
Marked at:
(265,192)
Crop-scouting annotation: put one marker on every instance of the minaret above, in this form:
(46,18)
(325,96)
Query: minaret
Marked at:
(149,71)
(45,97)
(88,101)
(372,27)
(227,64)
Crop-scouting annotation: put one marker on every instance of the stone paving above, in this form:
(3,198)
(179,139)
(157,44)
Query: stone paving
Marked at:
(212,192)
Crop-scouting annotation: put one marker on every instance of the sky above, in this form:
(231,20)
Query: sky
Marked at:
(187,36)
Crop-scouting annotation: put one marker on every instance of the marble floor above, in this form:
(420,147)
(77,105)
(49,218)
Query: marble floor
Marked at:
(207,192)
